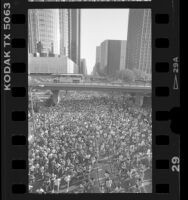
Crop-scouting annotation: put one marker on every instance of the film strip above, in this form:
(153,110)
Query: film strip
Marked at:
(165,97)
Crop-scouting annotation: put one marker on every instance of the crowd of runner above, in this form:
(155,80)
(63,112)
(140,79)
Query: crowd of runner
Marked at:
(67,141)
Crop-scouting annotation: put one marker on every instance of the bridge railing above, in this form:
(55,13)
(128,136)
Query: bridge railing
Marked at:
(115,84)
(95,84)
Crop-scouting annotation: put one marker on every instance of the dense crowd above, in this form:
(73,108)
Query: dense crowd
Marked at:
(68,140)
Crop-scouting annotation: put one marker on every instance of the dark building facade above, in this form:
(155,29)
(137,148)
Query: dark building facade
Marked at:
(74,18)
(109,55)
(139,40)
(83,67)
(114,54)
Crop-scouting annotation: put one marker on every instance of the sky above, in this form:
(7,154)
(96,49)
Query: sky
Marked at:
(98,25)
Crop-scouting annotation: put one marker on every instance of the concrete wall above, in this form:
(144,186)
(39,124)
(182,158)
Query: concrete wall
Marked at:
(51,65)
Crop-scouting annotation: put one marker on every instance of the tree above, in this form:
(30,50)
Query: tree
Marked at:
(139,75)
(126,75)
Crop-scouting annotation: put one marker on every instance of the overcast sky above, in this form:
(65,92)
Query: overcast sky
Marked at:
(98,25)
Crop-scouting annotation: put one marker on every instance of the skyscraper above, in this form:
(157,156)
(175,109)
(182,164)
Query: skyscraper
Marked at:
(114,53)
(74,35)
(123,54)
(43,29)
(98,54)
(104,55)
(110,57)
(139,40)
(64,31)
(83,67)
(55,31)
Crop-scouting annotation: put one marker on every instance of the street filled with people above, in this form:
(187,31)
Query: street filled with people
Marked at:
(91,142)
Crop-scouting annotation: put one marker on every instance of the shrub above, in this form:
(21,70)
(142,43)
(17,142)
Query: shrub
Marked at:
(126,75)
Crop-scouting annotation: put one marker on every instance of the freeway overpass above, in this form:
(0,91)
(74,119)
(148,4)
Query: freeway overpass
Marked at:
(129,88)
(138,91)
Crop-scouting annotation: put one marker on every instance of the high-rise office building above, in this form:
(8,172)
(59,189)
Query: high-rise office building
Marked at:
(114,53)
(98,54)
(104,55)
(97,60)
(64,31)
(43,31)
(139,40)
(55,31)
(110,56)
(74,17)
(123,54)
(83,66)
